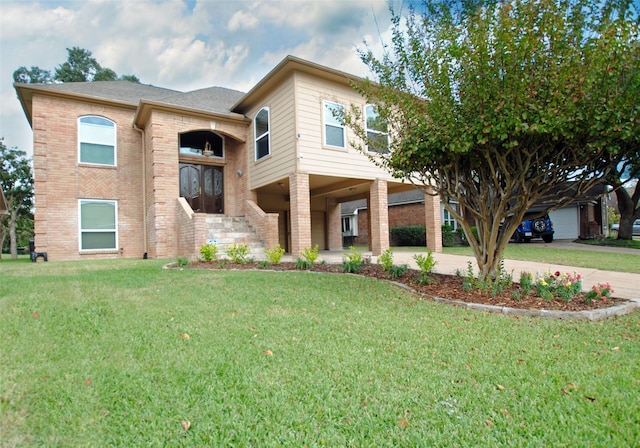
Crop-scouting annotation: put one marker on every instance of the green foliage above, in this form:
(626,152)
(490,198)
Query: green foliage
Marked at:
(526,282)
(447,235)
(398,271)
(302,264)
(80,66)
(274,254)
(426,265)
(209,251)
(495,105)
(386,259)
(182,261)
(601,291)
(408,235)
(310,254)
(353,261)
(239,253)
(557,284)
(493,286)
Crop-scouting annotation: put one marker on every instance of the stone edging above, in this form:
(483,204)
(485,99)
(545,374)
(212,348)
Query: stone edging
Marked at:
(597,314)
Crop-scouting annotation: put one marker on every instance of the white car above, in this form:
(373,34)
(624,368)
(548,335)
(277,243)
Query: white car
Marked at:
(636,227)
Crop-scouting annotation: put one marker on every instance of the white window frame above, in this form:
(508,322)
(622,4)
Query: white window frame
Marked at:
(86,136)
(266,134)
(327,107)
(448,219)
(82,231)
(373,131)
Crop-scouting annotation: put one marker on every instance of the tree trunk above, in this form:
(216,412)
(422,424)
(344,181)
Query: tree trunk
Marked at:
(13,241)
(628,207)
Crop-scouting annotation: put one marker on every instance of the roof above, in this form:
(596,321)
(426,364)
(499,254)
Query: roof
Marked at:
(217,100)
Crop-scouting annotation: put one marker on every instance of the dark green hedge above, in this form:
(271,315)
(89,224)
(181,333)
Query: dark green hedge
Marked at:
(408,236)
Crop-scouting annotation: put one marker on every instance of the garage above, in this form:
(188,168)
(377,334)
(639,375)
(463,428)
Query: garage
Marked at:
(565,223)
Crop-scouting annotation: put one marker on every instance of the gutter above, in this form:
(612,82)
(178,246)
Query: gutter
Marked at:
(144,189)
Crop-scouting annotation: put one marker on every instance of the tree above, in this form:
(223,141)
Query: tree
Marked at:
(623,177)
(17,184)
(494,105)
(80,66)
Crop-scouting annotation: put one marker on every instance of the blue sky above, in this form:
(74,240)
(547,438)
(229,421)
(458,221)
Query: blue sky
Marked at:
(182,44)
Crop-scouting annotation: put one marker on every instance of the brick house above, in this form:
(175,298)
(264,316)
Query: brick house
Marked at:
(131,170)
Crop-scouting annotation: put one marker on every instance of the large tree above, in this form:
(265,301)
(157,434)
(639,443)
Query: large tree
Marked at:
(623,177)
(80,66)
(16,182)
(494,105)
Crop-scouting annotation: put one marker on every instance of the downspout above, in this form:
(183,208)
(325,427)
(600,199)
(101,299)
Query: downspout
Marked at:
(144,189)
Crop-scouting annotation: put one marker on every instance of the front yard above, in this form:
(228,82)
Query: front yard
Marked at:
(123,353)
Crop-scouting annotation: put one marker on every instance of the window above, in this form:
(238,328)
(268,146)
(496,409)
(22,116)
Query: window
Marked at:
(97,141)
(261,132)
(377,134)
(448,219)
(333,129)
(98,224)
(201,143)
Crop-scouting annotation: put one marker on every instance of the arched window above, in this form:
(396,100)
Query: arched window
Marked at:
(261,131)
(202,143)
(96,140)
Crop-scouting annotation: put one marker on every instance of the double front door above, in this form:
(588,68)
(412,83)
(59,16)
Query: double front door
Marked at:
(202,187)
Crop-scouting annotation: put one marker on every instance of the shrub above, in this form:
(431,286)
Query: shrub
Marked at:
(302,264)
(601,291)
(310,254)
(557,284)
(353,262)
(398,271)
(447,235)
(386,260)
(409,236)
(239,253)
(209,251)
(274,254)
(183,261)
(426,265)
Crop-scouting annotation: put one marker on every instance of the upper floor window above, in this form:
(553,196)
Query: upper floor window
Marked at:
(261,131)
(96,140)
(98,219)
(377,133)
(333,129)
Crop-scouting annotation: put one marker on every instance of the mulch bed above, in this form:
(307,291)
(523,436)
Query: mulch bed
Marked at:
(441,285)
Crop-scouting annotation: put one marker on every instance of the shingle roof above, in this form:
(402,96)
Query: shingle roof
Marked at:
(212,99)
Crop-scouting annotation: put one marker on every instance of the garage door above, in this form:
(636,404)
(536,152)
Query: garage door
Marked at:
(565,223)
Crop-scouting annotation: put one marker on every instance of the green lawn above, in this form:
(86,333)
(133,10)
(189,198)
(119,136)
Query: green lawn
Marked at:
(97,354)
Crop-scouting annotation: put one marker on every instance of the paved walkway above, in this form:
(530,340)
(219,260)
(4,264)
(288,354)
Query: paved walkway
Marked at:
(625,285)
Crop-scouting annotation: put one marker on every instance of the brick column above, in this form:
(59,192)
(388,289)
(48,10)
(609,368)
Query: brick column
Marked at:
(433,221)
(300,212)
(379,217)
(334,224)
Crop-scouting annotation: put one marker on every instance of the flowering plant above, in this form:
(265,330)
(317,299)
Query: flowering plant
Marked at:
(601,291)
(557,284)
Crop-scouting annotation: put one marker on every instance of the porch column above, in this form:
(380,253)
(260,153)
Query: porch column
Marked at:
(433,221)
(379,217)
(300,212)
(334,224)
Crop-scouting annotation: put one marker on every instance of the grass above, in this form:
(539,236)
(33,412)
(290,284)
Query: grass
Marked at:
(97,354)
(612,261)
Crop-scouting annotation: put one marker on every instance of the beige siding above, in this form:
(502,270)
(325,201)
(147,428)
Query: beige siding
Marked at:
(282,160)
(315,158)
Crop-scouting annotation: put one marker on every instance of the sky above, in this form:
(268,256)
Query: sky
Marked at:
(182,44)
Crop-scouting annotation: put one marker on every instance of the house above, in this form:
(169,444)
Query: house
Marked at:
(583,218)
(136,171)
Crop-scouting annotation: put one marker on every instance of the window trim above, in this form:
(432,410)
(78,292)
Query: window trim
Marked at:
(81,231)
(114,143)
(374,131)
(264,134)
(325,103)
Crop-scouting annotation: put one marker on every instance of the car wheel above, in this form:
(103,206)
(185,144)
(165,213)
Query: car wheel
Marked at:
(539,225)
(517,237)
(547,238)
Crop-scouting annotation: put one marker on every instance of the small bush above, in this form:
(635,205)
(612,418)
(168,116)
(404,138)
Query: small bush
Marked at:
(426,265)
(239,253)
(409,236)
(447,235)
(398,271)
(209,251)
(353,262)
(274,254)
(310,254)
(302,264)
(386,260)
(182,261)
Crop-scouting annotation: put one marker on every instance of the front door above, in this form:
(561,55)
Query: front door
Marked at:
(202,187)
